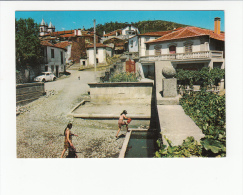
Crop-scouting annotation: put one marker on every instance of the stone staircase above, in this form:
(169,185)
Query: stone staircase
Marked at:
(105,74)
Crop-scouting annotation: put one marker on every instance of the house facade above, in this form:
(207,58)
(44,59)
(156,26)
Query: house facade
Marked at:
(68,46)
(133,44)
(125,33)
(130,31)
(102,51)
(137,42)
(190,48)
(118,45)
(54,58)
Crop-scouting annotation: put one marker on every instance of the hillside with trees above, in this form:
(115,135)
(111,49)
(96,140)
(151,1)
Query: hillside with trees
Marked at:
(143,26)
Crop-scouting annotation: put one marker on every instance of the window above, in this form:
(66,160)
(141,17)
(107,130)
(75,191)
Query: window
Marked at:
(52,53)
(188,47)
(61,57)
(46,68)
(96,51)
(147,46)
(157,49)
(172,49)
(131,43)
(83,63)
(97,61)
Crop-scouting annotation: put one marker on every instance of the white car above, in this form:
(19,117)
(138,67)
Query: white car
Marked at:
(45,76)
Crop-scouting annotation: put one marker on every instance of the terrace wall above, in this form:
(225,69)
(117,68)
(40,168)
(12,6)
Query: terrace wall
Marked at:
(29,92)
(121,93)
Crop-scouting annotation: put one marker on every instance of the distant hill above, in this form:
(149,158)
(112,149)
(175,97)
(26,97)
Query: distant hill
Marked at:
(143,26)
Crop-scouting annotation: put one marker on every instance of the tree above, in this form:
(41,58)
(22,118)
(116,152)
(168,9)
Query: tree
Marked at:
(28,47)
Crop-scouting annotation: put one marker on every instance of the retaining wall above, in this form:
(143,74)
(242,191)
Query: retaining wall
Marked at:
(28,92)
(121,93)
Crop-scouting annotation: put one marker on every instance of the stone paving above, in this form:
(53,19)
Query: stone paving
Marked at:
(176,125)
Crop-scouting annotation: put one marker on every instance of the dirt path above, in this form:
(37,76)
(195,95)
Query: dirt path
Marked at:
(40,128)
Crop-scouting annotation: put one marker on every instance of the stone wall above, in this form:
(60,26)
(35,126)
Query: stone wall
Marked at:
(121,93)
(28,92)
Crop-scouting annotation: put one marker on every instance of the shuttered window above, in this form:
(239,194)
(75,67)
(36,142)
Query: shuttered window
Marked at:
(157,49)
(188,47)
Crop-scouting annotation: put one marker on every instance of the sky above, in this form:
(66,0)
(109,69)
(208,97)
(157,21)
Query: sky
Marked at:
(69,20)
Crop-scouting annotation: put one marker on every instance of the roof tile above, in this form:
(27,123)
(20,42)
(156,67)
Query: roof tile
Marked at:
(188,32)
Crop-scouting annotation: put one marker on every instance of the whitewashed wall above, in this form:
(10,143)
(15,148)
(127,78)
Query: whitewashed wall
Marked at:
(127,28)
(133,44)
(68,53)
(142,48)
(101,55)
(56,61)
(180,47)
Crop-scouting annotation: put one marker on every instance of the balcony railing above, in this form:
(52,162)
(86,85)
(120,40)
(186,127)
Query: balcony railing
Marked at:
(184,56)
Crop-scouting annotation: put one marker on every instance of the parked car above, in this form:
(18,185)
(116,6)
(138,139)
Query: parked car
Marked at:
(45,76)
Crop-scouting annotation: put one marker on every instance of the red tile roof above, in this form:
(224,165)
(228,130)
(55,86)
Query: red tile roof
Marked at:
(67,35)
(159,33)
(188,32)
(47,43)
(63,44)
(63,32)
(98,45)
(112,33)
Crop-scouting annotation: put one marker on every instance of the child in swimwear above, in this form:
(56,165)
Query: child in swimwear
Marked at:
(121,122)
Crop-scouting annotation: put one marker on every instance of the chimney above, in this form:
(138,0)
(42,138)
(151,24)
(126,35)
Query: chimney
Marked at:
(217,25)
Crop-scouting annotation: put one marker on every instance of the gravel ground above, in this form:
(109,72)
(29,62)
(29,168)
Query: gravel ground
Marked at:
(41,123)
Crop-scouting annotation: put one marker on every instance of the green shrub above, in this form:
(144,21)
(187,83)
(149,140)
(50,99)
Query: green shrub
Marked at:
(206,77)
(124,77)
(208,111)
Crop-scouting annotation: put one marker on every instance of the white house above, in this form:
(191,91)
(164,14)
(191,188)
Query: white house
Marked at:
(68,46)
(124,33)
(137,42)
(54,58)
(190,48)
(130,31)
(133,44)
(102,51)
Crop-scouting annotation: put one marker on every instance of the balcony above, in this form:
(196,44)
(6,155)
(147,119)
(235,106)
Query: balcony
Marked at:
(201,55)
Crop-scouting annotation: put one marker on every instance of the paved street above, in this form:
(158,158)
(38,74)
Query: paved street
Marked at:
(40,128)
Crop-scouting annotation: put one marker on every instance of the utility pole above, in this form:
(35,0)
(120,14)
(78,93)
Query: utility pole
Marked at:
(94,48)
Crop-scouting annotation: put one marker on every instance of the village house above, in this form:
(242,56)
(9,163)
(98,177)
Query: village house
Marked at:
(54,58)
(68,46)
(125,33)
(137,42)
(118,45)
(102,51)
(190,48)
(74,41)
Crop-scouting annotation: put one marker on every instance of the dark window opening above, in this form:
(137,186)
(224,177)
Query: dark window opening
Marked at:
(172,49)
(52,53)
(61,57)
